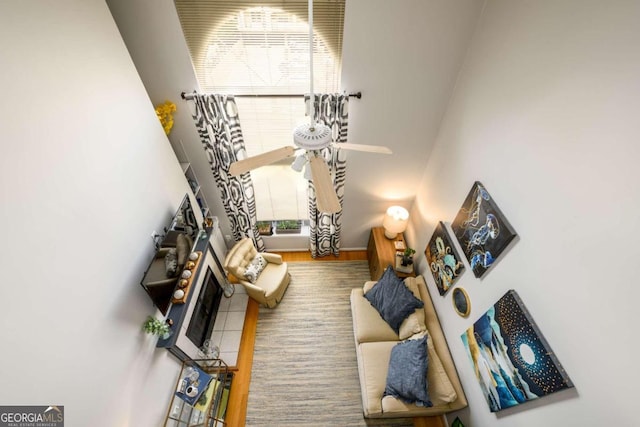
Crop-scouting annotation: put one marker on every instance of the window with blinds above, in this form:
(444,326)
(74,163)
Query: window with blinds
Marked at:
(248,48)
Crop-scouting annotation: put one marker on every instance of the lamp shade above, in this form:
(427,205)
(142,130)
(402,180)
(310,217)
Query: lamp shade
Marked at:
(395,221)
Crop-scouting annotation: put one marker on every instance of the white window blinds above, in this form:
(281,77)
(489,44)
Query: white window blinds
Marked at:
(262,48)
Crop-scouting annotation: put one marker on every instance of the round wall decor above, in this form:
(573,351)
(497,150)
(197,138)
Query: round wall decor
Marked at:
(461,302)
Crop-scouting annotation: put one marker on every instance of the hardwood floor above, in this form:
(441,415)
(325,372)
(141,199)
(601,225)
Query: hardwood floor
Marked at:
(238,397)
(306,256)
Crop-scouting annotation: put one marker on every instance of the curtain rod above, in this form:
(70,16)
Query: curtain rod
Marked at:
(189,96)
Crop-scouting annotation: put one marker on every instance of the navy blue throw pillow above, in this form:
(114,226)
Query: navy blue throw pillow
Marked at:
(407,375)
(393,300)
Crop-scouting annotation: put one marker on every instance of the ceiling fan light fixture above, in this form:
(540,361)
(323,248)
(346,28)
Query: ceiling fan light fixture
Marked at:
(312,137)
(299,162)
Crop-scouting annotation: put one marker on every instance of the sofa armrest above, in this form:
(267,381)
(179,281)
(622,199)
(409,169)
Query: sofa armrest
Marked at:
(441,345)
(272,258)
(255,292)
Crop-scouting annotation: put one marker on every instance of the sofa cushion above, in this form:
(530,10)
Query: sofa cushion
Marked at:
(255,267)
(239,257)
(272,277)
(393,300)
(415,322)
(368,325)
(407,372)
(171,263)
(183,249)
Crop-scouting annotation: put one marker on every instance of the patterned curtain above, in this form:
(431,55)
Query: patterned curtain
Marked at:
(333,111)
(218,125)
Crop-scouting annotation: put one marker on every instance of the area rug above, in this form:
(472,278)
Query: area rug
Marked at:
(304,366)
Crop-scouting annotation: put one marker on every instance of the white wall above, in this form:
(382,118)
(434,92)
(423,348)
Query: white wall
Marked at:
(545,114)
(404,56)
(153,35)
(86,174)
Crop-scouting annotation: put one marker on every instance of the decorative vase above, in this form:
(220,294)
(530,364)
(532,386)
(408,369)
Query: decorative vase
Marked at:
(208,351)
(228,289)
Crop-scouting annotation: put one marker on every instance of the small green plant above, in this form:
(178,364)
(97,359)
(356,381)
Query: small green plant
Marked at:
(265,228)
(409,252)
(288,224)
(407,256)
(156,327)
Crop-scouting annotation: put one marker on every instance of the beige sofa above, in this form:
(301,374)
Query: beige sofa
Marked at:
(374,340)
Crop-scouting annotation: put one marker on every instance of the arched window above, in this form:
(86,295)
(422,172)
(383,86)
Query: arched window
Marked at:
(249,48)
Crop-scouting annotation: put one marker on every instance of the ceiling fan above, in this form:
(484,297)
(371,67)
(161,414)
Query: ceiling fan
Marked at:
(308,139)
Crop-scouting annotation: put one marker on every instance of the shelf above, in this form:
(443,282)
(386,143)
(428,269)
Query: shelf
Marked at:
(211,405)
(195,187)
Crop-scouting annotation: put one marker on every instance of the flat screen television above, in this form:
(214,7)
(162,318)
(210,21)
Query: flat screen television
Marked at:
(160,279)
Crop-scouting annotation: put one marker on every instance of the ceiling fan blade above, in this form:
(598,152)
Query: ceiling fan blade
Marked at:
(361,147)
(326,197)
(245,165)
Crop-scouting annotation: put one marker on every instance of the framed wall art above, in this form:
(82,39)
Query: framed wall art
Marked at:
(444,262)
(481,229)
(512,360)
(461,302)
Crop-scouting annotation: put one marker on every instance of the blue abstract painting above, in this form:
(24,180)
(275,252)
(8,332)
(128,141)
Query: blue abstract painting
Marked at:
(481,229)
(511,359)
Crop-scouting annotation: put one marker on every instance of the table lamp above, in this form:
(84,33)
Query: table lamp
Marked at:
(395,221)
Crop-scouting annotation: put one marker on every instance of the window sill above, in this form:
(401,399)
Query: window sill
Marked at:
(288,242)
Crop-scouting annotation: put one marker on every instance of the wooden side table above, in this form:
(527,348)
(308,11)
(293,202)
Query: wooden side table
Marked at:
(381,252)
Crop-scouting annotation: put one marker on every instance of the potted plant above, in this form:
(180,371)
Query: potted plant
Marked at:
(407,256)
(265,228)
(158,327)
(288,227)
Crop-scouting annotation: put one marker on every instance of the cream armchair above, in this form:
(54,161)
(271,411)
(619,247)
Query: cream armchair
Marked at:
(270,285)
